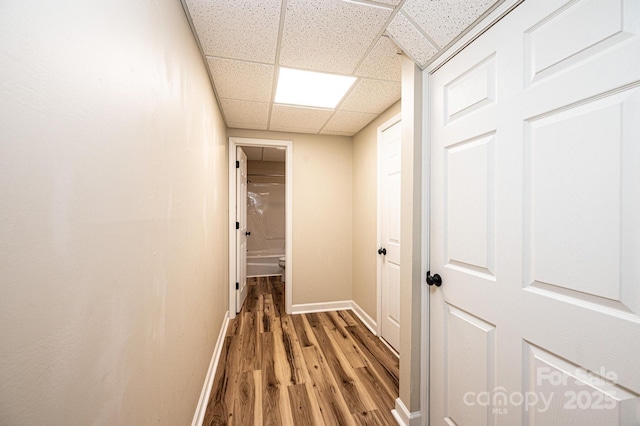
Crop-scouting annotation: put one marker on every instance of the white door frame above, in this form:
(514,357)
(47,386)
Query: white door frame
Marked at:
(234,142)
(487,22)
(379,172)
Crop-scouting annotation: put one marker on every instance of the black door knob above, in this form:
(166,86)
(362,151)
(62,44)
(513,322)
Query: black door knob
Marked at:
(382,250)
(434,280)
(247,233)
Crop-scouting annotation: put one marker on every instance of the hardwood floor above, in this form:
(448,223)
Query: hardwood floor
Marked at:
(309,369)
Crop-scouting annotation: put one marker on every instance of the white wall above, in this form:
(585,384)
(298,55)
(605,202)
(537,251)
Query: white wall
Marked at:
(113,214)
(322,214)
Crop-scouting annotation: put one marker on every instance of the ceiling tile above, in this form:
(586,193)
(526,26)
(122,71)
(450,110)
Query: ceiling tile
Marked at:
(239,40)
(382,62)
(330,36)
(238,29)
(247,81)
(348,121)
(274,154)
(373,96)
(245,113)
(445,19)
(254,153)
(290,118)
(411,40)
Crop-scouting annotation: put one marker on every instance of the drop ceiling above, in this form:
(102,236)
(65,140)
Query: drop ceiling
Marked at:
(259,153)
(244,42)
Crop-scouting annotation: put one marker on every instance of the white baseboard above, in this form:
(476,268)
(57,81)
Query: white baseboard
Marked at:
(391,348)
(211,373)
(306,308)
(365,318)
(404,417)
(340,305)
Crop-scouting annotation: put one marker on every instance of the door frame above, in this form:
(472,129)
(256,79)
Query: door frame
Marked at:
(490,18)
(234,142)
(379,172)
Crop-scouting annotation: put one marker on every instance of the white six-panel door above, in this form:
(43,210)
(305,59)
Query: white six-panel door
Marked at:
(241,231)
(389,251)
(535,220)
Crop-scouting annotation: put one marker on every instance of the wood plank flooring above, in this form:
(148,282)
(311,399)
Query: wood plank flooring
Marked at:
(309,369)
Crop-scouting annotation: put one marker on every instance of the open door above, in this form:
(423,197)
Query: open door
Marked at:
(241,228)
(535,239)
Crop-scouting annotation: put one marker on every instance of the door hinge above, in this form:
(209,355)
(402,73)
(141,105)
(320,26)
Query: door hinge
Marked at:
(237,286)
(237,225)
(237,164)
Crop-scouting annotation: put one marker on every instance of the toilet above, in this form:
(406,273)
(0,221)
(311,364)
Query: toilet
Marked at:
(281,263)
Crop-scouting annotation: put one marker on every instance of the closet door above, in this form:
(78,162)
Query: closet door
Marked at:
(535,200)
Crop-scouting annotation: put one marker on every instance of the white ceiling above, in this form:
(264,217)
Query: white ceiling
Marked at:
(245,41)
(259,153)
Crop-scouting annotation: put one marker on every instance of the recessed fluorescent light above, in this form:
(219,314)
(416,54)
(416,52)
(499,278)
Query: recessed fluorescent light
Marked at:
(314,89)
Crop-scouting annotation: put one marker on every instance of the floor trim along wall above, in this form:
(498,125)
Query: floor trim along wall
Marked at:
(365,318)
(201,409)
(404,417)
(340,305)
(306,308)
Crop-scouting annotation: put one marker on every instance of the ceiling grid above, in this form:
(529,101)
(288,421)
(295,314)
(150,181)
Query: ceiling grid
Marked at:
(244,43)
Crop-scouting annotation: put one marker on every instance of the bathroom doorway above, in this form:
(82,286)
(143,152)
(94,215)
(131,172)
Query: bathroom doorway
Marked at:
(265,218)
(267,226)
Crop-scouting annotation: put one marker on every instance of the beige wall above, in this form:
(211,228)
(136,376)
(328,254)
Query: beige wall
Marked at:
(411,279)
(266,167)
(322,214)
(365,221)
(271,169)
(113,214)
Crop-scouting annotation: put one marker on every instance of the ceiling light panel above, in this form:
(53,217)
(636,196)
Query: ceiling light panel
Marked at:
(314,89)
(246,30)
(329,36)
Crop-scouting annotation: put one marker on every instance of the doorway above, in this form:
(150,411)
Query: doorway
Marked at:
(234,256)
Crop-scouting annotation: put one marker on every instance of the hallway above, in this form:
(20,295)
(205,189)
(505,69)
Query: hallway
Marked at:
(317,368)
